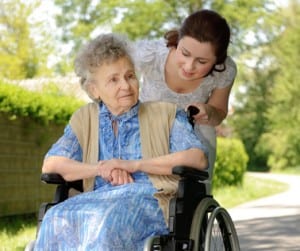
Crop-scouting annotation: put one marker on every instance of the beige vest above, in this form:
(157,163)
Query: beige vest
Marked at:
(155,119)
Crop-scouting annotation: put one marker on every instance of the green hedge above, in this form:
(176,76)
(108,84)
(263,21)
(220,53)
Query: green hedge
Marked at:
(231,162)
(41,107)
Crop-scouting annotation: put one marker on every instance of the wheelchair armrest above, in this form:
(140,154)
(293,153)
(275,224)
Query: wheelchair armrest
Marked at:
(55,178)
(190,172)
(191,189)
(52,178)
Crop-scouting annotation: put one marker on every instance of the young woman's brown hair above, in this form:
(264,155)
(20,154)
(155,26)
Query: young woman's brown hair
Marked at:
(204,26)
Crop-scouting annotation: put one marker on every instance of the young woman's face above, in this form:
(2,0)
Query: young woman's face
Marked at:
(116,84)
(194,59)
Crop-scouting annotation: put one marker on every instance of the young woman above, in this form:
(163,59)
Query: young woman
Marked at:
(191,67)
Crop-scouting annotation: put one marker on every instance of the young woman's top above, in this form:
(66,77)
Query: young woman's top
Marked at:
(150,59)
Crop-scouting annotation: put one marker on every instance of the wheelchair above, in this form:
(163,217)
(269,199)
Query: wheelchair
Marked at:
(196,220)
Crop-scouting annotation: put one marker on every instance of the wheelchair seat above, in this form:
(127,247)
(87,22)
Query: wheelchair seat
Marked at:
(196,220)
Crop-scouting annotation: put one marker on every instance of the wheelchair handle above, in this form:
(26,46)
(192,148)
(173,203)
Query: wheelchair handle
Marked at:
(191,111)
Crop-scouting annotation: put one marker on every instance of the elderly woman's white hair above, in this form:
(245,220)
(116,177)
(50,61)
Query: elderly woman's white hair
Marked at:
(105,48)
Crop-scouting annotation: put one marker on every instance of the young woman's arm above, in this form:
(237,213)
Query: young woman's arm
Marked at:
(215,110)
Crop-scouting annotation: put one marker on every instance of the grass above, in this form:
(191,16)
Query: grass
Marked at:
(17,231)
(252,188)
(294,171)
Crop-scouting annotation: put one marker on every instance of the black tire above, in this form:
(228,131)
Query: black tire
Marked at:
(30,246)
(221,233)
(212,228)
(151,242)
(200,220)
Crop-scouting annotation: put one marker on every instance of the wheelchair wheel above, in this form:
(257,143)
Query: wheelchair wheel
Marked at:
(199,222)
(210,236)
(221,233)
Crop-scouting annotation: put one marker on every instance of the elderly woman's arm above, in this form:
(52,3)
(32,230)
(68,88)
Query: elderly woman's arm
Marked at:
(69,169)
(162,165)
(72,170)
(193,157)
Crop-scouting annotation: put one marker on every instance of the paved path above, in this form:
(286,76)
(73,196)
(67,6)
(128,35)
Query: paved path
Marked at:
(271,223)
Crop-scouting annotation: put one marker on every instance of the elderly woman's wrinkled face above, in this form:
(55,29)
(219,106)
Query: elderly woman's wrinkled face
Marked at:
(115,84)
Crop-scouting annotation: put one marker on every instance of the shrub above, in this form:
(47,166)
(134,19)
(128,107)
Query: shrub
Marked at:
(231,162)
(41,107)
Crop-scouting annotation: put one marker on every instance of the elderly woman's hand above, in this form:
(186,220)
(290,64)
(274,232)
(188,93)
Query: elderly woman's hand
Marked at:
(103,172)
(120,177)
(106,170)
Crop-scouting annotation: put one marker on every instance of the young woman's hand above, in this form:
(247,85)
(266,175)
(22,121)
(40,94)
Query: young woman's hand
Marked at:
(208,114)
(203,115)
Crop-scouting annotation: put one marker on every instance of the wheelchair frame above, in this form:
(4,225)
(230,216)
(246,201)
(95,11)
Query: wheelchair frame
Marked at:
(196,220)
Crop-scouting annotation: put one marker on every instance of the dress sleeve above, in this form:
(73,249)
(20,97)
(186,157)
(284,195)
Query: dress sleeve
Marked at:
(66,146)
(227,77)
(183,136)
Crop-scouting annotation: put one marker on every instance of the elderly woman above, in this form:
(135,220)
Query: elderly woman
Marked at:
(123,150)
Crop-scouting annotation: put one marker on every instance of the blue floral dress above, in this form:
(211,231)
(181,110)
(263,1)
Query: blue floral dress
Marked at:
(110,218)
